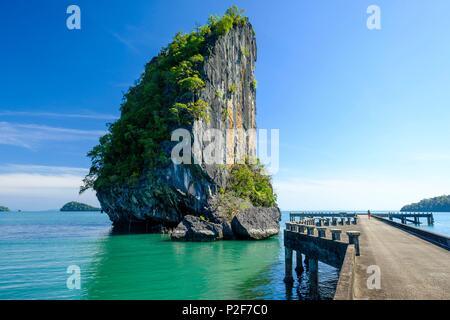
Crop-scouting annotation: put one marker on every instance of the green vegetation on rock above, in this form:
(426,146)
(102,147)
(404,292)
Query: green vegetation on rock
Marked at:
(77,206)
(249,181)
(438,204)
(165,97)
(232,88)
(245,52)
(227,205)
(4,209)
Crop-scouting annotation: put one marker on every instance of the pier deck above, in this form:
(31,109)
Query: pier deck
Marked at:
(413,263)
(411,268)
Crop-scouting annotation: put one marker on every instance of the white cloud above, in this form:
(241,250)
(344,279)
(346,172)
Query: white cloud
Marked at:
(375,193)
(34,187)
(126,42)
(32,135)
(45,170)
(94,116)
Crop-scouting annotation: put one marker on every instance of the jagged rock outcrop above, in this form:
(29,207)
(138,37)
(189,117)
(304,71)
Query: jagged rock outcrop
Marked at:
(256,223)
(178,190)
(203,85)
(193,228)
(222,209)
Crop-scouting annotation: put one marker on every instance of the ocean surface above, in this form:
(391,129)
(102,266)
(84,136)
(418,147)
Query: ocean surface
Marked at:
(36,248)
(441,223)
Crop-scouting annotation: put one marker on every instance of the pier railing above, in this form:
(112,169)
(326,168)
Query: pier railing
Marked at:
(310,237)
(412,217)
(403,217)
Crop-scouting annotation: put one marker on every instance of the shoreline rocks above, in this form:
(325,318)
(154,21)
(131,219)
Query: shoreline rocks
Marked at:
(248,224)
(256,223)
(195,229)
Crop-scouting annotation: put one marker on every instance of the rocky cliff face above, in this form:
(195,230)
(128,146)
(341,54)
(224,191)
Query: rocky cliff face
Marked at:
(175,191)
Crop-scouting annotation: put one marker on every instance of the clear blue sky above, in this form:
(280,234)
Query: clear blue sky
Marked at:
(363,115)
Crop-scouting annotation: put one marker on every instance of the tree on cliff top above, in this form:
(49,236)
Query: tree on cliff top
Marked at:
(438,204)
(77,206)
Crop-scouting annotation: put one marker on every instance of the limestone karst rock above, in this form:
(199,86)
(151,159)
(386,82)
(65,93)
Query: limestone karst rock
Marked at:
(218,64)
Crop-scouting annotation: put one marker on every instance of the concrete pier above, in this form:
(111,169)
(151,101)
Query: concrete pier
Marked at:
(409,263)
(410,268)
(405,217)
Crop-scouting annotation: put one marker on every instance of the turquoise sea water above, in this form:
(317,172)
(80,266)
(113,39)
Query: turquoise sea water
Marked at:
(441,223)
(37,248)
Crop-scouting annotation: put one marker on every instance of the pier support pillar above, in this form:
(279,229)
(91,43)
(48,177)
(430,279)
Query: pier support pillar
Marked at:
(310,230)
(299,259)
(336,234)
(288,279)
(302,228)
(322,232)
(313,274)
(353,238)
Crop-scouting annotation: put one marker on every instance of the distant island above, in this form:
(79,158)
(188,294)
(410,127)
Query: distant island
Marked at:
(438,204)
(77,206)
(4,209)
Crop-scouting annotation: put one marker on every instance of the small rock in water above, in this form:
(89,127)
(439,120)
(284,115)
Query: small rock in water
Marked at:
(195,229)
(256,223)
